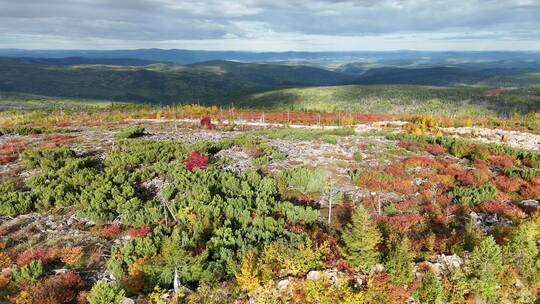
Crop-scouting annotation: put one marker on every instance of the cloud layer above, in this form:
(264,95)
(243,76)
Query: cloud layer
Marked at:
(272,25)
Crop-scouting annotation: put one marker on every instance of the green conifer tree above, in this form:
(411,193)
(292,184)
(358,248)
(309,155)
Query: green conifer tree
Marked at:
(104,293)
(523,252)
(430,290)
(361,237)
(485,269)
(400,262)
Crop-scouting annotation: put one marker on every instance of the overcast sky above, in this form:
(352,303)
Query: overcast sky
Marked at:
(271,25)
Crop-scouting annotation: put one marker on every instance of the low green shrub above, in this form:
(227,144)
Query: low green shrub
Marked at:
(24,130)
(12,201)
(105,293)
(305,180)
(130,132)
(28,273)
(473,195)
(525,173)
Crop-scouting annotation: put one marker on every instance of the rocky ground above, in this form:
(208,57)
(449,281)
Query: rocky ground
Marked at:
(66,229)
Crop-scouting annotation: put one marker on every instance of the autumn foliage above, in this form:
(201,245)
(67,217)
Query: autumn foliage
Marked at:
(196,160)
(206,122)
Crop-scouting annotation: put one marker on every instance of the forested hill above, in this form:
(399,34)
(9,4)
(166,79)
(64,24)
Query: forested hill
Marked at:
(163,83)
(224,82)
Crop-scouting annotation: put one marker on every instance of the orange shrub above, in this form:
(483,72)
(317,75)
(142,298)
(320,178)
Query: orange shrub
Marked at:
(500,208)
(139,232)
(530,191)
(71,255)
(5,261)
(503,160)
(111,230)
(508,184)
(436,149)
(403,222)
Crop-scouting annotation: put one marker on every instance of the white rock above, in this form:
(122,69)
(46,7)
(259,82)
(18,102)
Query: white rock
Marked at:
(128,301)
(283,285)
(378,268)
(530,203)
(314,275)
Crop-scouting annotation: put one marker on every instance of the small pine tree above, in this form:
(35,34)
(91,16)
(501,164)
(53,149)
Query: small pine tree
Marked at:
(430,290)
(361,237)
(485,269)
(400,261)
(523,251)
(103,293)
(470,237)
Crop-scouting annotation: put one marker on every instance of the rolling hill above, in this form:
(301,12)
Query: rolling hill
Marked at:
(261,85)
(398,99)
(159,83)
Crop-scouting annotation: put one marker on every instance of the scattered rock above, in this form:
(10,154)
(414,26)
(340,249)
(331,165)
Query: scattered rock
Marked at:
(488,222)
(314,275)
(516,139)
(283,285)
(239,159)
(530,203)
(378,268)
(445,264)
(128,301)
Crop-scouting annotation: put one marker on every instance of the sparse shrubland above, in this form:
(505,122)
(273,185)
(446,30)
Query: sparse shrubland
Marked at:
(244,216)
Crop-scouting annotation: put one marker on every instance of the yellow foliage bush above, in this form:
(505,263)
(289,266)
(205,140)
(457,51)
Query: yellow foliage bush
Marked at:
(247,278)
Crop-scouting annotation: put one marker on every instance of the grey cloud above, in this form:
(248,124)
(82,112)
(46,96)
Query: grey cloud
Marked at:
(167,20)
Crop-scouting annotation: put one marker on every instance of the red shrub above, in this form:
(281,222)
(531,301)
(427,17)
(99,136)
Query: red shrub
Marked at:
(305,198)
(503,197)
(444,199)
(467,178)
(396,169)
(196,161)
(501,209)
(508,184)
(422,161)
(403,222)
(405,205)
(206,122)
(530,192)
(374,184)
(452,170)
(403,186)
(436,149)
(5,159)
(111,230)
(535,180)
(450,212)
(139,232)
(45,255)
(503,160)
(411,146)
(58,289)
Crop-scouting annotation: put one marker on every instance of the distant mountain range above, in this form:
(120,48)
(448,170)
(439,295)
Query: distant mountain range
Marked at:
(153,76)
(193,56)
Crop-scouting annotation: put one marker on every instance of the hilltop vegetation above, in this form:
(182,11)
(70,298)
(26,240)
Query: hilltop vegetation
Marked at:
(172,212)
(397,99)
